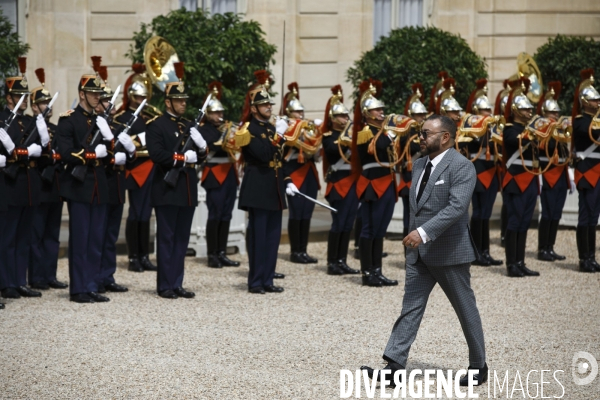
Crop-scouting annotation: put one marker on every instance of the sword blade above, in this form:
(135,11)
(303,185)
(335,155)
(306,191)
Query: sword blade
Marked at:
(53,100)
(317,202)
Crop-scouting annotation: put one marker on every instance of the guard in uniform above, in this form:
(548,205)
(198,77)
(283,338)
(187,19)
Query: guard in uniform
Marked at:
(86,200)
(23,186)
(341,184)
(123,151)
(47,216)
(5,143)
(416,110)
(174,206)
(300,167)
(520,183)
(219,179)
(376,187)
(499,107)
(140,171)
(555,179)
(586,144)
(484,160)
(263,189)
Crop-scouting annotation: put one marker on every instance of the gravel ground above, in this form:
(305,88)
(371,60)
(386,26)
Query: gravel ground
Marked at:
(227,343)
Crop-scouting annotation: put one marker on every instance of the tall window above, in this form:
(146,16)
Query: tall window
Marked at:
(9,9)
(392,14)
(213,6)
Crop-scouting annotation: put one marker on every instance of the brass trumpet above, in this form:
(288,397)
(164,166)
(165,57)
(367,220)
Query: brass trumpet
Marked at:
(304,136)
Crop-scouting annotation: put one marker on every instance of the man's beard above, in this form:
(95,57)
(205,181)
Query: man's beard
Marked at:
(432,148)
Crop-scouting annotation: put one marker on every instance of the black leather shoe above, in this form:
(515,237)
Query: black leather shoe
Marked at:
(385,281)
(594,264)
(384,254)
(311,260)
(26,292)
(584,266)
(181,292)
(333,268)
(40,286)
(480,377)
(214,262)
(277,275)
(297,258)
(226,262)
(114,287)
(10,293)
(273,289)
(556,256)
(526,271)
(544,255)
(101,289)
(2,306)
(370,279)
(514,271)
(257,290)
(346,269)
(135,265)
(391,369)
(487,256)
(167,294)
(481,261)
(147,264)
(57,284)
(98,298)
(81,298)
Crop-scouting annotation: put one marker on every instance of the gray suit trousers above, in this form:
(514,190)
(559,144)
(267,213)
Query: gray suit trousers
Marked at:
(455,281)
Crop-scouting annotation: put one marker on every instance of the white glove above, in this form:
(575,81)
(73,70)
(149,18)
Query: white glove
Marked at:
(104,128)
(197,138)
(291,189)
(42,130)
(318,156)
(101,151)
(281,127)
(2,161)
(572,185)
(120,158)
(191,157)
(34,150)
(6,141)
(126,141)
(318,122)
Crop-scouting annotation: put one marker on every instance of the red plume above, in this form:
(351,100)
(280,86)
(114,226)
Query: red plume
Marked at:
(557,87)
(584,74)
(138,68)
(262,76)
(22,64)
(497,110)
(41,75)
(446,85)
(292,86)
(178,69)
(103,72)
(479,84)
(414,88)
(96,61)
(218,86)
(449,82)
(442,75)
(357,126)
(514,84)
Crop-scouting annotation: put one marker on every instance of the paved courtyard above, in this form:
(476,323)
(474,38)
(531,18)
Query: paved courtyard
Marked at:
(229,344)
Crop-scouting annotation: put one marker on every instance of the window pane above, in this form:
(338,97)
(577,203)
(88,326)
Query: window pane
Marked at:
(382,19)
(410,13)
(223,6)
(9,9)
(190,5)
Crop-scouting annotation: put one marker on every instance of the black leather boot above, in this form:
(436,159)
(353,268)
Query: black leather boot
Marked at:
(503,225)
(294,235)
(357,230)
(212,239)
(304,233)
(510,251)
(552,240)
(333,241)
(222,245)
(369,277)
(485,242)
(592,248)
(521,244)
(581,235)
(476,234)
(543,240)
(144,246)
(378,263)
(343,245)
(132,239)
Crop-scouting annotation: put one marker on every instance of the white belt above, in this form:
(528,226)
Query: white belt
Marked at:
(375,165)
(340,163)
(527,163)
(482,157)
(219,160)
(583,155)
(345,167)
(294,156)
(545,159)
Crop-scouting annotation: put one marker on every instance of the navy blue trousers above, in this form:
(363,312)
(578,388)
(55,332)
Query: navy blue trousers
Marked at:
(553,200)
(520,207)
(299,207)
(173,225)
(109,251)
(483,202)
(87,230)
(4,272)
(376,215)
(16,238)
(264,230)
(139,201)
(406,212)
(45,242)
(220,201)
(589,206)
(343,220)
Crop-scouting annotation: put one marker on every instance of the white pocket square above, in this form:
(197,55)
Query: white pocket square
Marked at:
(441,182)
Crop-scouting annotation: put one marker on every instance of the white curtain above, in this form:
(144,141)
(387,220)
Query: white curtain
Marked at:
(9,9)
(223,6)
(382,19)
(190,5)
(410,13)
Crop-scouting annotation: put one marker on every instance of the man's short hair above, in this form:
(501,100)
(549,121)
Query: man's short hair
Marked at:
(446,124)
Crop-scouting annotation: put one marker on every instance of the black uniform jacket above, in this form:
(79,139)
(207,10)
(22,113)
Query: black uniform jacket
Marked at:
(50,190)
(166,136)
(264,183)
(73,127)
(587,171)
(517,178)
(376,175)
(212,135)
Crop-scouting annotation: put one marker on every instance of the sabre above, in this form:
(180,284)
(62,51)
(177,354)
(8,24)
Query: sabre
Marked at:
(317,202)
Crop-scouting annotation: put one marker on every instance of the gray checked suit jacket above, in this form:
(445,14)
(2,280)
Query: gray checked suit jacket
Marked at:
(443,212)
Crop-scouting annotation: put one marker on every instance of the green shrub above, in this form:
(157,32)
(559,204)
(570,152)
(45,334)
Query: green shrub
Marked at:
(418,54)
(219,47)
(562,58)
(10,49)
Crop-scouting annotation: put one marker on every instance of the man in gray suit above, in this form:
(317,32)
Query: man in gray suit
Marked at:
(439,246)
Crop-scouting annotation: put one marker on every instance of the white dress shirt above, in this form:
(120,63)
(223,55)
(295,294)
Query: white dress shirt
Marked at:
(433,162)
